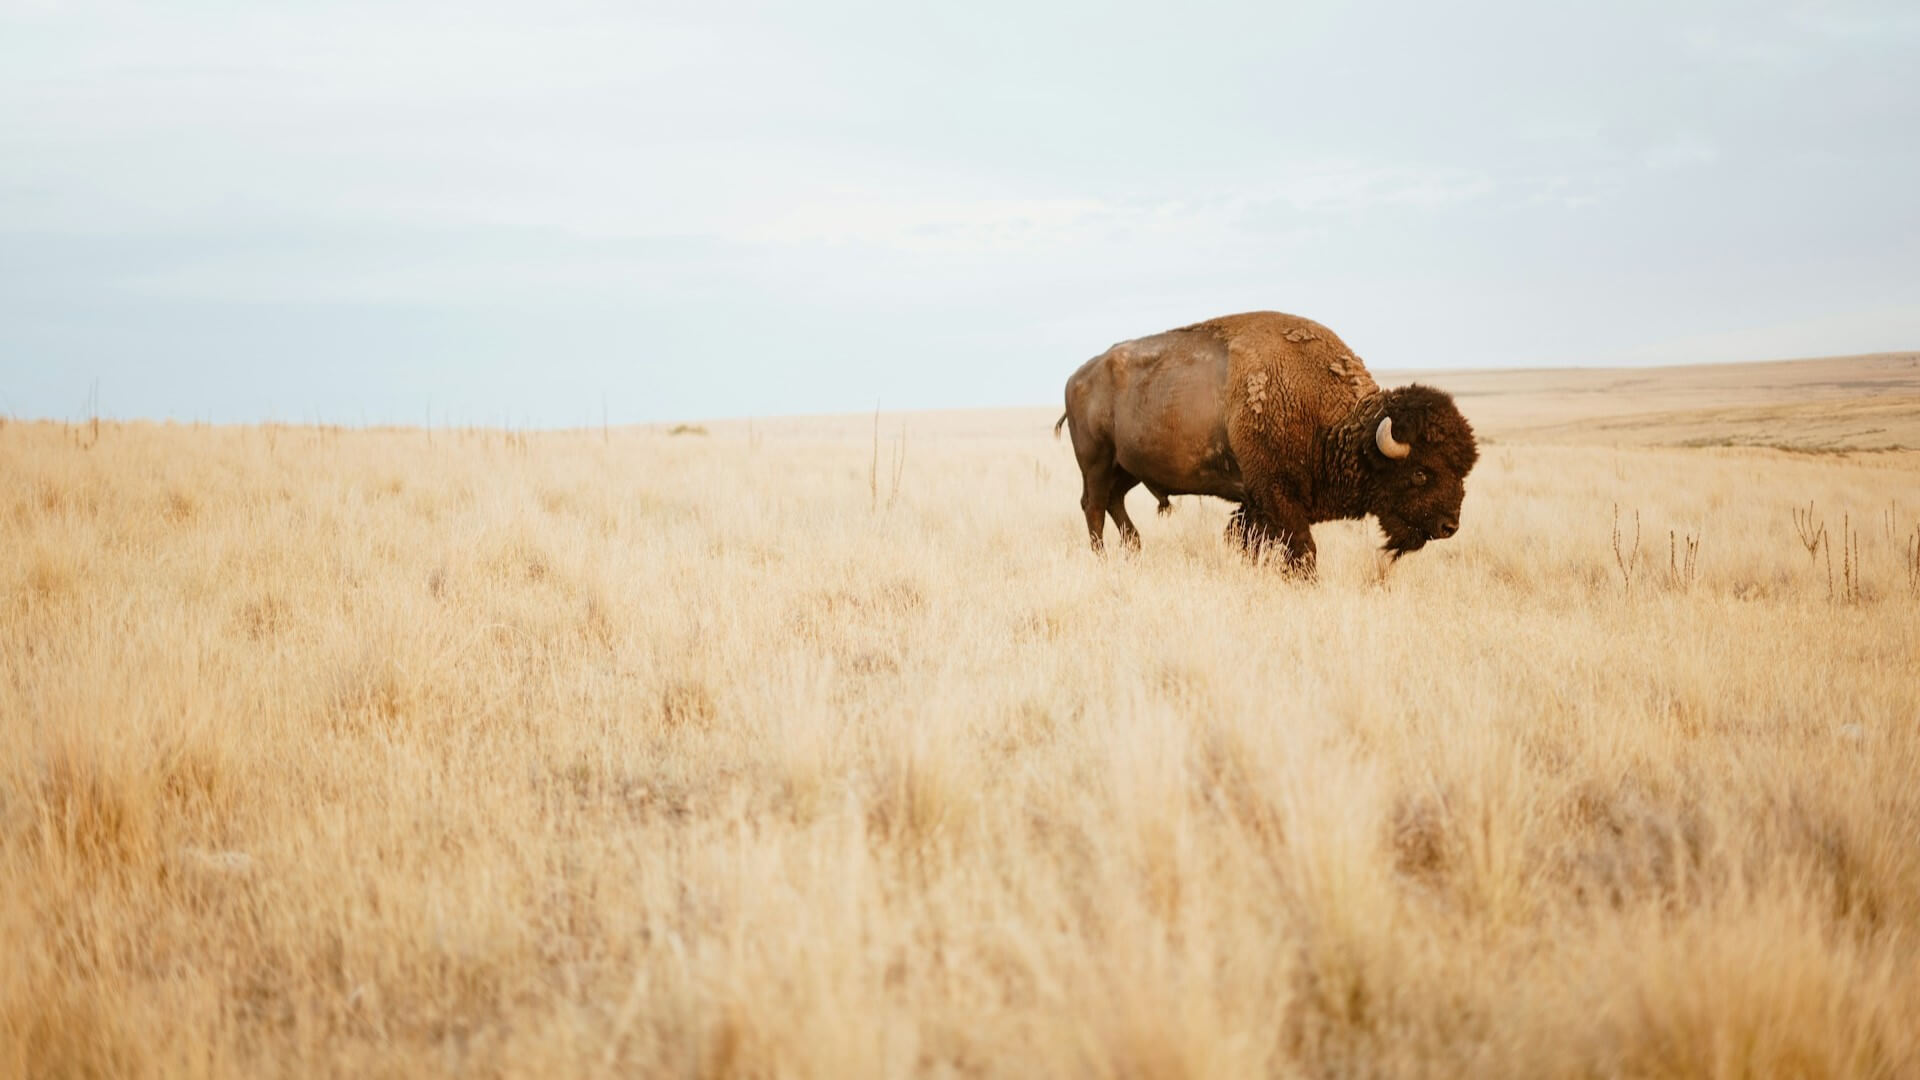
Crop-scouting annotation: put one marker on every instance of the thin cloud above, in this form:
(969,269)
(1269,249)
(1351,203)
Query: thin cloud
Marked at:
(200,202)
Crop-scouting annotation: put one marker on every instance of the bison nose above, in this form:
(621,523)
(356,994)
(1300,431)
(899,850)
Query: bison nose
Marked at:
(1446,528)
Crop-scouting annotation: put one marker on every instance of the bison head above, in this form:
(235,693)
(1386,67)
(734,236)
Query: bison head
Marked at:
(1418,457)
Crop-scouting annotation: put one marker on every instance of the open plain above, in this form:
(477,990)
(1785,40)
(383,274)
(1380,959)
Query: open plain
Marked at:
(787,748)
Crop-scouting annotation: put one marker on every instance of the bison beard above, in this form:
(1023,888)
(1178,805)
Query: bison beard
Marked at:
(1272,412)
(1402,539)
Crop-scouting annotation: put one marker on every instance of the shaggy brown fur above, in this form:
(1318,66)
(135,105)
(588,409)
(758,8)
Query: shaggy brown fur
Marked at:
(1271,411)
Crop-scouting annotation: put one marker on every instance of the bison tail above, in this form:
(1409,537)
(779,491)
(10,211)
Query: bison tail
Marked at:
(1057,423)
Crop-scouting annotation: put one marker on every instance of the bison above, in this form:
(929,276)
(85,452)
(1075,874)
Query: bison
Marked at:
(1273,412)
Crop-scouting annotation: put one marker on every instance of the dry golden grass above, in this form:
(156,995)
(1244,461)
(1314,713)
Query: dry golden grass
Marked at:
(355,753)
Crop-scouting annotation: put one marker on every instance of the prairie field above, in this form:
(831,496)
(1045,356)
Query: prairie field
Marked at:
(793,749)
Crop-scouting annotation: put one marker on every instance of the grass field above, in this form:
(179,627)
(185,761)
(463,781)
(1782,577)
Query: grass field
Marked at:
(768,752)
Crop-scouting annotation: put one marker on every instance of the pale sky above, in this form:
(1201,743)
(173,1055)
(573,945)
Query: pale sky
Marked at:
(506,213)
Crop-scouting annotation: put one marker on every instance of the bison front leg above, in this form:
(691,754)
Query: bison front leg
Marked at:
(1255,527)
(1296,539)
(1241,531)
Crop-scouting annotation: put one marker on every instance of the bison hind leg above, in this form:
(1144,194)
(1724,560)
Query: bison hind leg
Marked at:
(1123,482)
(1093,502)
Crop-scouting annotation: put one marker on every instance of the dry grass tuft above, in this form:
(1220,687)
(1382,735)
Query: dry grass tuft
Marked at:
(571,754)
(179,507)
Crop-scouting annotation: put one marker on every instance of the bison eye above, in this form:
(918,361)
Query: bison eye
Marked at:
(1419,477)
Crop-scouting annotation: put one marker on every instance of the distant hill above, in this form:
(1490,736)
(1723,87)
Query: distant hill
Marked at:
(1835,404)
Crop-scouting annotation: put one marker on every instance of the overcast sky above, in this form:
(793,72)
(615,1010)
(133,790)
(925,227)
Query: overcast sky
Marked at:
(510,212)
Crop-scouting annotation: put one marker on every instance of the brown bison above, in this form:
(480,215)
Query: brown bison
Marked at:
(1275,413)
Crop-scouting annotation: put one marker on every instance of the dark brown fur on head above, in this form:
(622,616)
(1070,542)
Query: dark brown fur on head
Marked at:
(1417,498)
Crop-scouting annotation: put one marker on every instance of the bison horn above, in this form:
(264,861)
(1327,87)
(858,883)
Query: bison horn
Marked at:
(1383,438)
